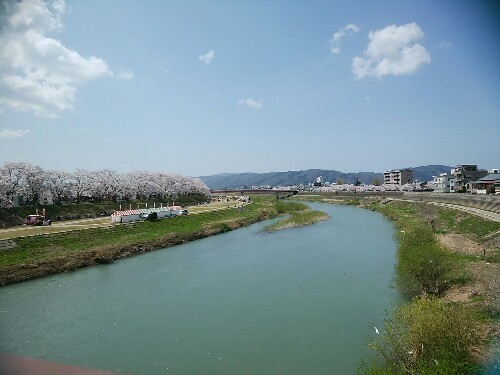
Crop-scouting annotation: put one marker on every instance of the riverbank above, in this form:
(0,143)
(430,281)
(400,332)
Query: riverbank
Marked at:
(48,254)
(449,264)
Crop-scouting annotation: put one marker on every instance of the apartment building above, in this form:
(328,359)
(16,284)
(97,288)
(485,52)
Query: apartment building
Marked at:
(398,176)
(444,183)
(466,173)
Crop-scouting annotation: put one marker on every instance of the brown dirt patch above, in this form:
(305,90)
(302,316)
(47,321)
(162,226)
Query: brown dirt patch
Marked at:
(463,293)
(460,243)
(487,276)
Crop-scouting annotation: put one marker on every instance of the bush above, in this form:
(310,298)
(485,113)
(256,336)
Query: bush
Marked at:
(427,336)
(424,270)
(423,266)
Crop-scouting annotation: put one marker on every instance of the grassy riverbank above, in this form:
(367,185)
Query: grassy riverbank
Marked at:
(49,253)
(448,266)
(299,215)
(42,255)
(435,332)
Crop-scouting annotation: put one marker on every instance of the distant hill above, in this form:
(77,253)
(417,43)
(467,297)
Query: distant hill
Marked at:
(239,180)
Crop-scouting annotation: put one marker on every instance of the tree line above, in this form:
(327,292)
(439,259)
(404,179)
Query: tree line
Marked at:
(32,182)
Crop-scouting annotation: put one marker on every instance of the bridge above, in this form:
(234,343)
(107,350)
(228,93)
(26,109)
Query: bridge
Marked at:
(280,194)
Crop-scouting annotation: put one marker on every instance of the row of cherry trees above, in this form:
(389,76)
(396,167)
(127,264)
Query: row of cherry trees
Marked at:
(31,182)
(375,188)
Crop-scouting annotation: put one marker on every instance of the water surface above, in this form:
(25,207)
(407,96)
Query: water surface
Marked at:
(297,301)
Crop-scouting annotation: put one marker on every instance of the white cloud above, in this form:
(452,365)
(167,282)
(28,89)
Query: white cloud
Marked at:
(392,51)
(126,75)
(207,58)
(6,133)
(349,29)
(251,103)
(38,73)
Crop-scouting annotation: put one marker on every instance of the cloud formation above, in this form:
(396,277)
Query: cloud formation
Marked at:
(349,29)
(38,73)
(392,50)
(207,58)
(125,74)
(6,133)
(251,103)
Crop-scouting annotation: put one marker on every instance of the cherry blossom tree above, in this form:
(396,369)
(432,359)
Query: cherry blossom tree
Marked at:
(58,184)
(22,179)
(5,200)
(31,181)
(33,178)
(11,179)
(81,184)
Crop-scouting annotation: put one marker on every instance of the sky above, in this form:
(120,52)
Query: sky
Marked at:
(207,87)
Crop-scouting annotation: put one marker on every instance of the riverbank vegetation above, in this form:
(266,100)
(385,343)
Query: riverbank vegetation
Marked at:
(298,215)
(298,219)
(42,255)
(427,336)
(430,334)
(448,264)
(446,327)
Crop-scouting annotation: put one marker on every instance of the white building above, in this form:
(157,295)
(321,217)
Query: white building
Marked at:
(444,183)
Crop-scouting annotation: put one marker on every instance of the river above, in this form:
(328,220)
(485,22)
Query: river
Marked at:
(296,301)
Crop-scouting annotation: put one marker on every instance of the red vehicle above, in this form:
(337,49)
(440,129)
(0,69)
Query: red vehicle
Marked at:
(34,220)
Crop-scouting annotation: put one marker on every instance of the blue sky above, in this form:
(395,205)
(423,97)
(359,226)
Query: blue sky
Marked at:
(205,87)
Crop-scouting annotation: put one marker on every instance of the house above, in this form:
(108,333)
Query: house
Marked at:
(480,186)
(466,173)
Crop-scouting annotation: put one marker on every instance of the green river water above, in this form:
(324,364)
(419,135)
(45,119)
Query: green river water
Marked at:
(297,301)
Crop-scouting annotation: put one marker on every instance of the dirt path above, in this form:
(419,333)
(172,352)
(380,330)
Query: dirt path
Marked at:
(70,225)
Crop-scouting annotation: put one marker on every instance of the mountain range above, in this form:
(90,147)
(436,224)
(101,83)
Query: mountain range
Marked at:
(239,180)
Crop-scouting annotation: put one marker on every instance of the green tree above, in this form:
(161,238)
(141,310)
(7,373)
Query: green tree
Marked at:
(376,181)
(490,189)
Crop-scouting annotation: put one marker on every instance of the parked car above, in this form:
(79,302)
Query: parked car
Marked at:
(34,220)
(153,216)
(182,212)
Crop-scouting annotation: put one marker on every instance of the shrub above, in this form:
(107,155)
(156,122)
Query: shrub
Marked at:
(427,336)
(423,267)
(424,270)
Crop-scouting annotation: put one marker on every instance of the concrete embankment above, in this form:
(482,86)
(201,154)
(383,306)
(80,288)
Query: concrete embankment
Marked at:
(483,202)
